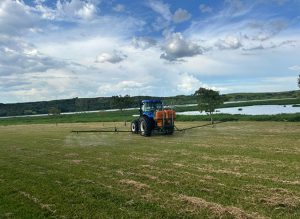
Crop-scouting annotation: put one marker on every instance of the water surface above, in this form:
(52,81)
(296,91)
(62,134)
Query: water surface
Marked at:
(251,110)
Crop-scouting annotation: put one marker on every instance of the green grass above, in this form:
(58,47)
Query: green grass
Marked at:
(236,169)
(74,118)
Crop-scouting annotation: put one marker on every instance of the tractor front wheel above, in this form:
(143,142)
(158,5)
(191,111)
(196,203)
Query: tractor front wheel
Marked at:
(135,126)
(145,126)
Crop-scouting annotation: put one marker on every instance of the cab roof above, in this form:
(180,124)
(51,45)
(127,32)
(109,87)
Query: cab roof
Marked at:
(151,101)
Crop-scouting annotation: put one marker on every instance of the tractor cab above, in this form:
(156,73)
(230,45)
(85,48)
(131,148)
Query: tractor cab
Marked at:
(149,107)
(153,117)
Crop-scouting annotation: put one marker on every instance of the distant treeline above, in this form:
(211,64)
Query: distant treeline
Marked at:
(262,96)
(101,103)
(81,104)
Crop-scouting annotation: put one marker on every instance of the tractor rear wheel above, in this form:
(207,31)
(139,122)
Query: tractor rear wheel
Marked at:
(135,126)
(145,126)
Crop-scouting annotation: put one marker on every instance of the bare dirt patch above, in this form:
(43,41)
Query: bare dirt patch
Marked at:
(76,161)
(220,211)
(209,177)
(178,165)
(148,159)
(71,155)
(89,140)
(223,171)
(277,180)
(234,159)
(150,177)
(121,172)
(137,185)
(275,197)
(202,145)
(35,200)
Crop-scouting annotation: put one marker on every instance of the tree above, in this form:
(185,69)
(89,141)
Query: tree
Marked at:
(121,102)
(208,101)
(54,111)
(299,81)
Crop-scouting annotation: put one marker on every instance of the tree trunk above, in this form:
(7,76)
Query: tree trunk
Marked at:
(211,119)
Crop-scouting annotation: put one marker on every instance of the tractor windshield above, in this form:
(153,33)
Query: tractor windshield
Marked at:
(150,106)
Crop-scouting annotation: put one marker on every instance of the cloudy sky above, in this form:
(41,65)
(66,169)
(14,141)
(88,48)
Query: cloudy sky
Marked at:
(53,49)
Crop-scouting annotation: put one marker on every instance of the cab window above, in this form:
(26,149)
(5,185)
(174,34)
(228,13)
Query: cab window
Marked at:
(151,106)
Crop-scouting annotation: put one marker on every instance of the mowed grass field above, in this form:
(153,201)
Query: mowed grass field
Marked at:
(235,170)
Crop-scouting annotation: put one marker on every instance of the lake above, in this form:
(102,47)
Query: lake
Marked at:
(251,110)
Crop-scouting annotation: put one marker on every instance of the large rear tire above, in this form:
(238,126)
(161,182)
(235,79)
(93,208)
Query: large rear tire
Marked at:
(135,126)
(145,126)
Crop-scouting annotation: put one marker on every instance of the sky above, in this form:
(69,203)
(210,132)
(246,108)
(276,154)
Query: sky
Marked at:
(57,49)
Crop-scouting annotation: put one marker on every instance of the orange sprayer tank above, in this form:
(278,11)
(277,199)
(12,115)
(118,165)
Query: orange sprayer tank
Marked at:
(159,116)
(167,116)
(170,114)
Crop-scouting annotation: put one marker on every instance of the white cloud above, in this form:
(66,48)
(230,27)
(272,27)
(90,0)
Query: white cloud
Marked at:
(41,85)
(263,31)
(188,84)
(230,42)
(123,87)
(295,68)
(205,9)
(242,35)
(119,8)
(114,57)
(238,4)
(143,42)
(76,9)
(181,15)
(269,45)
(46,12)
(265,84)
(281,2)
(166,16)
(236,8)
(161,8)
(19,57)
(16,17)
(177,47)
(160,24)
(87,11)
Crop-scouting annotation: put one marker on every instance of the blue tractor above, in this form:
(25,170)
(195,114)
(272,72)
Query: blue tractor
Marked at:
(153,117)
